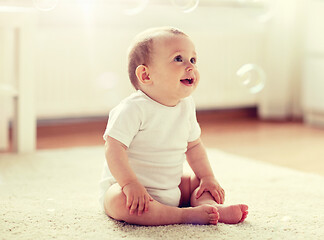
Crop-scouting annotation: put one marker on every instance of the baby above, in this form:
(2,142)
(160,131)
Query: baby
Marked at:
(152,132)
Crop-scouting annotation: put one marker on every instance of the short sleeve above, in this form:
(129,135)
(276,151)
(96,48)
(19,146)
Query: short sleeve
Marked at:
(123,123)
(195,130)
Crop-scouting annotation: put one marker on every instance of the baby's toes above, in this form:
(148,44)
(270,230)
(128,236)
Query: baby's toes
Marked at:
(213,218)
(243,207)
(213,215)
(244,215)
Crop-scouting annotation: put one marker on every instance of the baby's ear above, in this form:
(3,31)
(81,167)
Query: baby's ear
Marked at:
(142,73)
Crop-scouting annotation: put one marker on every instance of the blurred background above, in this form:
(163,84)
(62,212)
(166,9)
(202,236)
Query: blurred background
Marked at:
(261,64)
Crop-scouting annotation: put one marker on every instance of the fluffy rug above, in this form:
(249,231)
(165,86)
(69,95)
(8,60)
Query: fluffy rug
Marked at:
(53,194)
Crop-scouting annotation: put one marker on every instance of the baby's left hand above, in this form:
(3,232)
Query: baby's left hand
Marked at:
(209,184)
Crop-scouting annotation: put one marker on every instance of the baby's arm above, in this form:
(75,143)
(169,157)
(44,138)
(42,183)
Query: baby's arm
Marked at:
(198,161)
(136,195)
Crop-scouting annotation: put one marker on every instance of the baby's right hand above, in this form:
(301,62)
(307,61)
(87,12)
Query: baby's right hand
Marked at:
(136,198)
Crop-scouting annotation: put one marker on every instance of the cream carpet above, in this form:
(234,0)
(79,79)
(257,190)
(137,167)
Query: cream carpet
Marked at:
(53,195)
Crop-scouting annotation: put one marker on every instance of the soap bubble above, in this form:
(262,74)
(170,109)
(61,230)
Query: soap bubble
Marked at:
(45,5)
(185,6)
(252,77)
(135,7)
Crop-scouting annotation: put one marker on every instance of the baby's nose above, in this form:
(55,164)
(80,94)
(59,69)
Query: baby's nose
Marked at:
(189,68)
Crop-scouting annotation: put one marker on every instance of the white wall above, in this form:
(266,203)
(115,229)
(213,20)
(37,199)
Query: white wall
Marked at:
(79,44)
(313,77)
(80,51)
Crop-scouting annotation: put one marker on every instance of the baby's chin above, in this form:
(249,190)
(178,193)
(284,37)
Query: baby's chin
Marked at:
(188,92)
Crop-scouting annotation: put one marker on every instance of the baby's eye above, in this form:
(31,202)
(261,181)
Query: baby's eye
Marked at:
(178,59)
(193,60)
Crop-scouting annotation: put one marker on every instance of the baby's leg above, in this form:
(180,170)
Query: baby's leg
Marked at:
(158,214)
(227,214)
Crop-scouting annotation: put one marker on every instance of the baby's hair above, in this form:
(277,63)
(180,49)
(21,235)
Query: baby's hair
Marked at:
(140,50)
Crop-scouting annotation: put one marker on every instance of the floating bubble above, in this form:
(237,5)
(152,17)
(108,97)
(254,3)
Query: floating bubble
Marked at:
(252,77)
(135,7)
(185,6)
(45,5)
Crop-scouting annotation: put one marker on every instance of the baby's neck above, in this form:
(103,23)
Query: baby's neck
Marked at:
(161,100)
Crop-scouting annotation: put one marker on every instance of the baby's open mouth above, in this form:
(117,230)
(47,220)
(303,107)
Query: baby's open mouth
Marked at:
(187,81)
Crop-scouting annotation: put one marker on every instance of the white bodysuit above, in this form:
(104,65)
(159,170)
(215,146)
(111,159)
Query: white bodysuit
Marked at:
(156,137)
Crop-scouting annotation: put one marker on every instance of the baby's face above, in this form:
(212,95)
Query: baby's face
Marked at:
(173,69)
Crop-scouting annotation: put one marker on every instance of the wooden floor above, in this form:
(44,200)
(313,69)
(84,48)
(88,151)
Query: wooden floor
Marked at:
(290,144)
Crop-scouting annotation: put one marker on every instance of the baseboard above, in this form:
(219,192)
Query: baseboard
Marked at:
(227,114)
(70,120)
(202,115)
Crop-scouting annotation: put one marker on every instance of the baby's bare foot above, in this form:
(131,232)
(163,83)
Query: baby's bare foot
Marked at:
(232,214)
(204,214)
